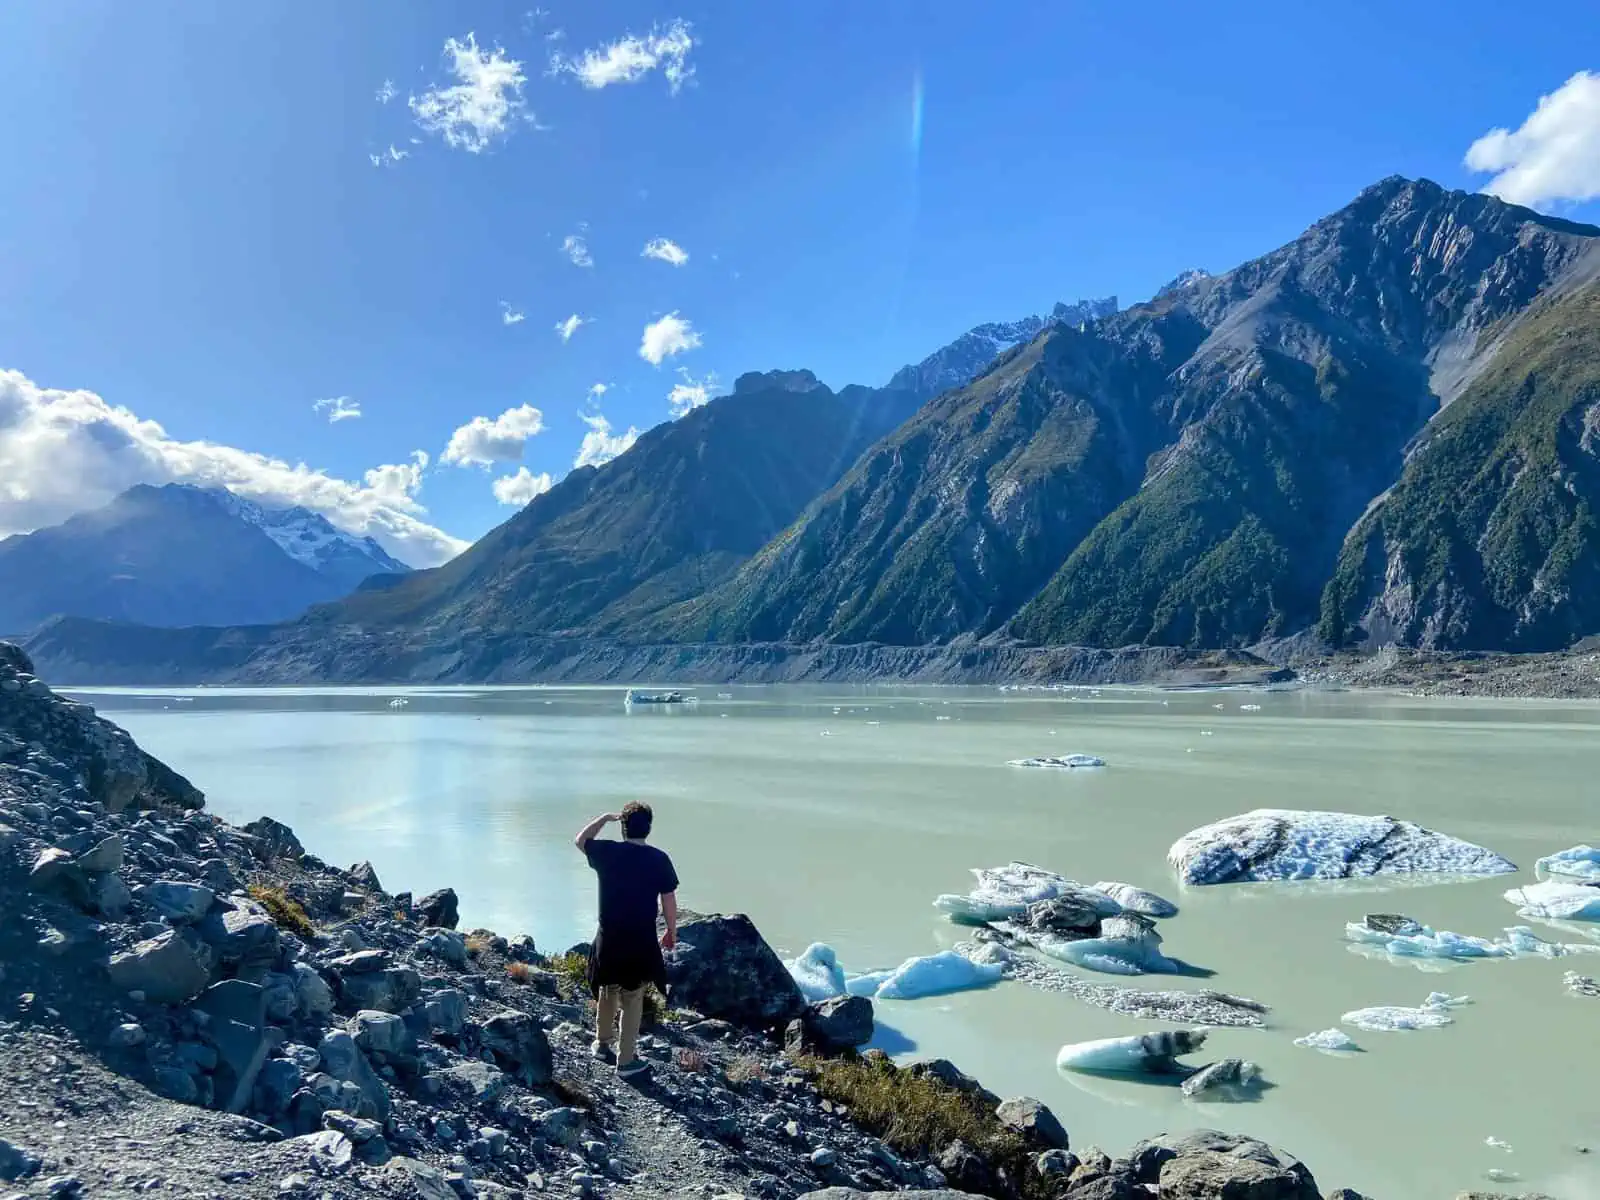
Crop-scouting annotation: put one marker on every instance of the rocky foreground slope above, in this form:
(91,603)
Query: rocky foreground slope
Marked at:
(202,1010)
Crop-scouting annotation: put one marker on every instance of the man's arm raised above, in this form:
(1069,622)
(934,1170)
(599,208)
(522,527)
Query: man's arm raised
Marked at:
(669,910)
(587,833)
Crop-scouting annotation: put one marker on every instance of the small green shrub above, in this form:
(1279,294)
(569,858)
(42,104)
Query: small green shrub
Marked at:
(285,911)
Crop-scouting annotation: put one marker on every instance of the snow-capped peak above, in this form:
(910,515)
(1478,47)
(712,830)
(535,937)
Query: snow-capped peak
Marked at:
(307,537)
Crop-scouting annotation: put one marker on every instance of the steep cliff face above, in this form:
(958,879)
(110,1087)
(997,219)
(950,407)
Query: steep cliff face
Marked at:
(1491,537)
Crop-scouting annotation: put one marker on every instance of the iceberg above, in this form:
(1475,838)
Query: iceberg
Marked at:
(929,975)
(1327,1039)
(1419,941)
(1006,892)
(1558,901)
(1580,862)
(1271,844)
(1150,1053)
(1127,945)
(1225,1079)
(1581,985)
(1137,900)
(817,973)
(1433,1013)
(1065,761)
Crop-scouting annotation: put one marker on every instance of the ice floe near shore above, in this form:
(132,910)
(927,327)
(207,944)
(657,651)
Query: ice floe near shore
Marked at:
(1150,1053)
(1554,900)
(1060,762)
(1332,1040)
(928,975)
(1137,900)
(1006,892)
(1387,1018)
(1271,844)
(817,973)
(1578,862)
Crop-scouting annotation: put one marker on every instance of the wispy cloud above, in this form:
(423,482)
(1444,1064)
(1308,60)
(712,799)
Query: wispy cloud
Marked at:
(481,106)
(390,157)
(386,91)
(509,315)
(690,393)
(64,451)
(1554,155)
(662,339)
(483,441)
(565,329)
(338,408)
(521,488)
(629,59)
(597,390)
(576,247)
(666,250)
(600,445)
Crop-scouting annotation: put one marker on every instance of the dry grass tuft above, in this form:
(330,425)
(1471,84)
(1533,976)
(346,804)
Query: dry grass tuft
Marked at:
(522,972)
(572,972)
(285,911)
(744,1069)
(477,944)
(690,1060)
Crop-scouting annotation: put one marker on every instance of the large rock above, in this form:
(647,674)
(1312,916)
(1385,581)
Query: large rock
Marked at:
(840,1022)
(181,902)
(1148,1161)
(722,968)
(55,872)
(246,941)
(519,1045)
(237,1030)
(273,839)
(1035,1122)
(343,1059)
(167,969)
(440,908)
(1208,1175)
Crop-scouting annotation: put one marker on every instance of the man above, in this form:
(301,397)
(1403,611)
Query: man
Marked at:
(626,956)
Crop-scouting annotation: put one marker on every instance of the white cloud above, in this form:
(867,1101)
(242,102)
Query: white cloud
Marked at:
(666,337)
(509,315)
(62,452)
(522,487)
(386,91)
(482,441)
(389,158)
(666,250)
(691,393)
(576,247)
(600,445)
(338,408)
(597,390)
(1554,156)
(565,329)
(629,59)
(472,113)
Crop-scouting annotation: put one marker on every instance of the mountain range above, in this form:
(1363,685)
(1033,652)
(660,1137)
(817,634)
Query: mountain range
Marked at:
(183,555)
(1385,430)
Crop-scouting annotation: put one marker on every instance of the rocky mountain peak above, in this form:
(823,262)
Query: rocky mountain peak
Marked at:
(766,381)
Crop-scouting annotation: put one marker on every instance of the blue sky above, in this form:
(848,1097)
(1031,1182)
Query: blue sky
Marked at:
(193,229)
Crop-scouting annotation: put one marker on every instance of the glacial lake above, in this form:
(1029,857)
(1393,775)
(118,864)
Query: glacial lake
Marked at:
(837,814)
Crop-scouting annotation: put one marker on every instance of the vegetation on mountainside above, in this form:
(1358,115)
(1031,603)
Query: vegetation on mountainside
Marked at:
(1491,537)
(286,912)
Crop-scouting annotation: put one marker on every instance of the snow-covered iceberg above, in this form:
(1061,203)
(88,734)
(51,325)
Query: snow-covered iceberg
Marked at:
(1137,900)
(1405,938)
(1127,945)
(1272,844)
(1062,761)
(929,975)
(1554,900)
(1333,1040)
(1225,1079)
(1579,862)
(817,973)
(1152,1053)
(1006,892)
(1431,1014)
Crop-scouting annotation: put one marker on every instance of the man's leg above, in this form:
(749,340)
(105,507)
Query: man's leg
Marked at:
(632,1011)
(605,1022)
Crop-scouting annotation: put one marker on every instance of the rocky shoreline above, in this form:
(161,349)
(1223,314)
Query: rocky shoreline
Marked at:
(207,1010)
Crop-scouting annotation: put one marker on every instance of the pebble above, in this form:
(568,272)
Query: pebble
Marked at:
(823,1157)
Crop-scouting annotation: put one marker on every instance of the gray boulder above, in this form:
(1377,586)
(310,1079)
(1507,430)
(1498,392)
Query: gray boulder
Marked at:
(15,1162)
(237,1030)
(1148,1162)
(343,1060)
(391,989)
(313,996)
(723,968)
(246,940)
(273,839)
(840,1022)
(1036,1123)
(110,896)
(181,902)
(168,968)
(1209,1175)
(519,1045)
(479,1082)
(440,908)
(385,1037)
(105,855)
(410,1178)
(446,1010)
(55,872)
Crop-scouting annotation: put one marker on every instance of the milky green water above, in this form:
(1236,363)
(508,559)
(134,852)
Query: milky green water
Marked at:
(837,814)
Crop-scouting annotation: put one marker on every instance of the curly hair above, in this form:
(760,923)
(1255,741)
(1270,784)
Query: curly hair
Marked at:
(637,818)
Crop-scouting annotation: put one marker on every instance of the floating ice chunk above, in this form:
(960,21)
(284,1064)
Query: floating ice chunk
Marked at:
(1138,900)
(929,975)
(818,973)
(1127,946)
(1062,761)
(1225,1079)
(1433,1013)
(399,702)
(1249,708)
(1580,862)
(1005,892)
(1425,942)
(1154,1053)
(1497,1143)
(1555,900)
(1327,1039)
(1276,844)
(1581,985)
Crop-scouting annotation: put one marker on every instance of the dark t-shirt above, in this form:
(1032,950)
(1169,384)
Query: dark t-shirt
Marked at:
(633,876)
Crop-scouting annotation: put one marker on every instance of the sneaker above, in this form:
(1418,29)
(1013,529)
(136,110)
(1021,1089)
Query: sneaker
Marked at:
(603,1052)
(637,1069)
